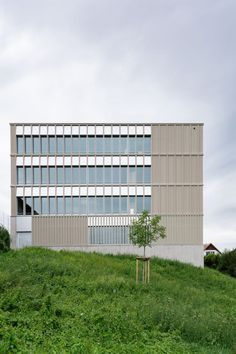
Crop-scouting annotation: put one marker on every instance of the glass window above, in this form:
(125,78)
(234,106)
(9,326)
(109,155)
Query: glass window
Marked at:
(75,175)
(139,174)
(52,205)
(68,144)
(36,145)
(123,204)
(99,175)
(52,144)
(123,174)
(132,209)
(28,145)
(99,145)
(75,205)
(139,145)
(28,205)
(75,143)
(147,144)
(147,174)
(36,175)
(60,145)
(91,175)
(115,144)
(20,145)
(20,175)
(60,175)
(68,205)
(52,175)
(60,205)
(82,175)
(116,205)
(123,145)
(108,209)
(82,145)
(68,175)
(116,175)
(132,144)
(100,205)
(147,203)
(107,174)
(91,145)
(20,206)
(44,145)
(28,175)
(91,205)
(139,204)
(36,208)
(132,174)
(83,205)
(107,145)
(44,175)
(44,205)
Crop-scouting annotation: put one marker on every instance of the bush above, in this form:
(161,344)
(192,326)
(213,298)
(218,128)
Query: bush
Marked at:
(212,260)
(227,263)
(4,239)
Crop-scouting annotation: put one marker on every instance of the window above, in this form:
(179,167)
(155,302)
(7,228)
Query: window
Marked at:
(75,205)
(52,145)
(44,205)
(28,145)
(52,175)
(20,145)
(36,206)
(91,145)
(99,175)
(20,175)
(60,175)
(82,145)
(115,144)
(107,145)
(68,175)
(99,145)
(132,174)
(82,175)
(60,145)
(139,145)
(124,145)
(123,175)
(132,144)
(75,175)
(52,205)
(108,209)
(20,206)
(91,205)
(91,175)
(68,205)
(147,203)
(36,175)
(68,145)
(100,205)
(28,205)
(107,174)
(44,175)
(44,145)
(139,174)
(132,209)
(116,205)
(139,204)
(116,175)
(28,175)
(123,205)
(83,205)
(36,145)
(147,144)
(75,144)
(147,174)
(60,205)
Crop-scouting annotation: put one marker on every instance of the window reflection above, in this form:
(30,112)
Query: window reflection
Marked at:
(20,145)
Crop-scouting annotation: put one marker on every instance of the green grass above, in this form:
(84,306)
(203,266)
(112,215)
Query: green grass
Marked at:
(71,302)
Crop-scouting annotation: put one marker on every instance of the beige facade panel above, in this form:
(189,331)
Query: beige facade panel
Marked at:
(177,139)
(13,201)
(172,169)
(13,139)
(177,200)
(59,231)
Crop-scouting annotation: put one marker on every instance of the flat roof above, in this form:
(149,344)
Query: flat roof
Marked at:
(106,123)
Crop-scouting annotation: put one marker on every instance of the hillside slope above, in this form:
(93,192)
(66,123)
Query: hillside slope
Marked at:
(70,302)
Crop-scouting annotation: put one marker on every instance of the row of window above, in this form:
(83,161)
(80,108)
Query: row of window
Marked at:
(83,175)
(113,235)
(83,205)
(83,145)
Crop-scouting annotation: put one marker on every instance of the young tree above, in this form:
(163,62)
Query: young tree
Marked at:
(145,230)
(4,239)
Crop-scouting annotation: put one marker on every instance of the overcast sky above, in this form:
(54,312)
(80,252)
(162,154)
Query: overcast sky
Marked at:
(127,61)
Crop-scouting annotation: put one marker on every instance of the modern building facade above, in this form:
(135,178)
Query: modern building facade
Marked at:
(79,186)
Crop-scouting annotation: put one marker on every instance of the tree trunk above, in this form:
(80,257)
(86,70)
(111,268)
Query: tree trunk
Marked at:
(144,250)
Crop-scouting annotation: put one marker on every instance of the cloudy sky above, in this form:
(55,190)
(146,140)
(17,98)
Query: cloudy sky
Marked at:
(127,61)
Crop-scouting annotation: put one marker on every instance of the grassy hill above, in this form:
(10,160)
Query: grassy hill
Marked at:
(68,302)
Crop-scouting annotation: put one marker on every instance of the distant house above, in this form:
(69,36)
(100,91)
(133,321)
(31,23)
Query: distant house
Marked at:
(209,248)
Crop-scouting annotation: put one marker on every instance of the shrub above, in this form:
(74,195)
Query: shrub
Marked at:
(4,239)
(227,263)
(212,260)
